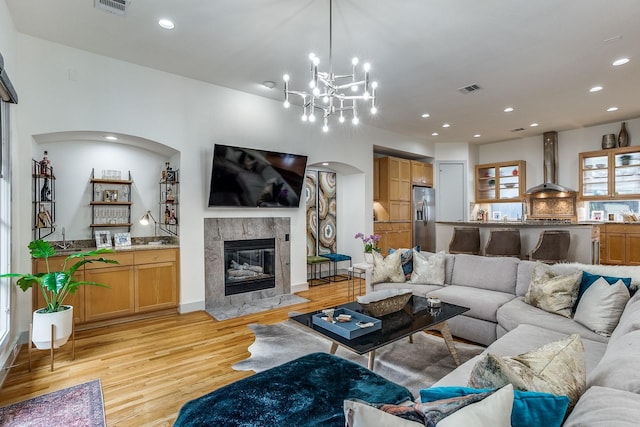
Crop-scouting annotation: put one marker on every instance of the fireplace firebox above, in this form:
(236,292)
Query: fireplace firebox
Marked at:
(249,265)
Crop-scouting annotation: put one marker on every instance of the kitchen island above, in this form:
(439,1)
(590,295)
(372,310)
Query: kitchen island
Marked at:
(585,236)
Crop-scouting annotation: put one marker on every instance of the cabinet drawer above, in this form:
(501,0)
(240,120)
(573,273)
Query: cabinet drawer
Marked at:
(153,256)
(122,258)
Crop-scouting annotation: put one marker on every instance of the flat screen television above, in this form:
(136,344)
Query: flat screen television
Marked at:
(256,178)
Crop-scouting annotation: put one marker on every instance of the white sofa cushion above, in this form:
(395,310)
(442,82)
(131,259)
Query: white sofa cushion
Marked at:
(516,312)
(601,406)
(493,273)
(483,303)
(620,365)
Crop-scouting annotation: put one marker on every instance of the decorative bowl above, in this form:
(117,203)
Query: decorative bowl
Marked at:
(383,302)
(601,165)
(510,184)
(588,166)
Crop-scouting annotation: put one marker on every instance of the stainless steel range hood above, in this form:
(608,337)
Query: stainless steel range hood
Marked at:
(550,167)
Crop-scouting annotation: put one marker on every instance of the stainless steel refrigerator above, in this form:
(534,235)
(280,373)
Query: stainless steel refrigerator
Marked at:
(423,217)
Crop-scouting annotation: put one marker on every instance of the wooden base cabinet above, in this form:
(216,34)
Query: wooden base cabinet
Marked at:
(144,281)
(620,244)
(156,278)
(115,301)
(393,235)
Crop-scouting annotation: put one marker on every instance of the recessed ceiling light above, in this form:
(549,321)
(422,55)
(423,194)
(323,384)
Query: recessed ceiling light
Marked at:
(446,125)
(620,61)
(269,84)
(533,125)
(596,89)
(325,164)
(111,137)
(508,109)
(612,109)
(477,135)
(166,24)
(426,115)
(435,134)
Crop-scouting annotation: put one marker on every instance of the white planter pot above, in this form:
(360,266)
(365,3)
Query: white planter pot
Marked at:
(368,258)
(41,334)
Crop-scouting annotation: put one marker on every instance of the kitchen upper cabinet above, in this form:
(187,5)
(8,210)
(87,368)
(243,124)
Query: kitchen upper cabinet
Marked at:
(500,182)
(613,173)
(421,173)
(394,188)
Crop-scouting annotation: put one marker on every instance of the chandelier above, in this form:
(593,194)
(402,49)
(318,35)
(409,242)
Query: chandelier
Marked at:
(333,94)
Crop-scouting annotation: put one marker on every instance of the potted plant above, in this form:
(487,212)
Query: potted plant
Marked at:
(370,244)
(56,286)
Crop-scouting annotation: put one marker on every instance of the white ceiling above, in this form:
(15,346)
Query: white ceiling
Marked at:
(541,57)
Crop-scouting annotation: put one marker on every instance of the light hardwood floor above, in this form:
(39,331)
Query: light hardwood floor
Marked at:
(150,368)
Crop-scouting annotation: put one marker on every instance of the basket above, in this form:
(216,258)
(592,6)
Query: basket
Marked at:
(383,302)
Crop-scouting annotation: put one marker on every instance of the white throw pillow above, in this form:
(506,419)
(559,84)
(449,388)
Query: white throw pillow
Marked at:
(387,269)
(601,306)
(362,415)
(429,270)
(494,411)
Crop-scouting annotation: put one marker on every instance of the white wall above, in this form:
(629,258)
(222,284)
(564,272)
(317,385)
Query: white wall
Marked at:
(190,117)
(570,143)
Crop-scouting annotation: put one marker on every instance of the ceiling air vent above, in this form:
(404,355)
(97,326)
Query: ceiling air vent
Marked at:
(470,88)
(119,7)
(517,130)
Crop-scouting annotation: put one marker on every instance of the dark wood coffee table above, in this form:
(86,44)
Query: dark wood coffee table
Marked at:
(416,316)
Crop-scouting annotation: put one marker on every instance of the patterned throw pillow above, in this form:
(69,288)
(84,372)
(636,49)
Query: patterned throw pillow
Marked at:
(492,408)
(557,368)
(406,260)
(429,270)
(387,269)
(553,293)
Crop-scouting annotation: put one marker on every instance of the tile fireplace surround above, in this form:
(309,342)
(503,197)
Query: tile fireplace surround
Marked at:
(217,230)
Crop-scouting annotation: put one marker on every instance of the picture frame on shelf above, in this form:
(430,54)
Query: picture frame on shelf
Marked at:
(597,215)
(122,240)
(496,215)
(103,239)
(110,195)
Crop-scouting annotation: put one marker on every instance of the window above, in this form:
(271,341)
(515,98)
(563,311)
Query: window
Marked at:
(5,224)
(614,207)
(513,211)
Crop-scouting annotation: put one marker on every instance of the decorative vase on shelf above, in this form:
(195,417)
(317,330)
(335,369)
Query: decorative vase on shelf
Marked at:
(608,141)
(623,136)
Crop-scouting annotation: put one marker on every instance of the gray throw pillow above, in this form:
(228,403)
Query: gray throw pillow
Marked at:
(601,306)
(553,293)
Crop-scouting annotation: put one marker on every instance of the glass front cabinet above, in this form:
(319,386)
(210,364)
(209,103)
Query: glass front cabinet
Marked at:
(500,182)
(613,173)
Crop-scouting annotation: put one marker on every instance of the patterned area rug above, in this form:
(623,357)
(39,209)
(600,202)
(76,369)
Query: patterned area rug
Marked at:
(414,366)
(78,406)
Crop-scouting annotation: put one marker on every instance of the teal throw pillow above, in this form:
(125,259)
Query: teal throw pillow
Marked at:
(530,408)
(589,279)
(406,260)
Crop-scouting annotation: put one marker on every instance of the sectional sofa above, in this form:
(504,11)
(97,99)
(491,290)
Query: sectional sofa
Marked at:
(494,290)
(310,391)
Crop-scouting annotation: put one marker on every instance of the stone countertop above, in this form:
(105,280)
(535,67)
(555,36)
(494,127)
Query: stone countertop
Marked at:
(518,224)
(131,248)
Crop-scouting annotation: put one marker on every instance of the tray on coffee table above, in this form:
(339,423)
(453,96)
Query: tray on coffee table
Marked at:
(348,330)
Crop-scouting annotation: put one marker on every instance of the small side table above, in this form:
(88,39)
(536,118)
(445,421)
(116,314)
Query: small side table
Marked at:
(359,269)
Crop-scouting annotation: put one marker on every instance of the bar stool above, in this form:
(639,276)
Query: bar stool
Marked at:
(335,259)
(316,273)
(503,242)
(465,240)
(553,246)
